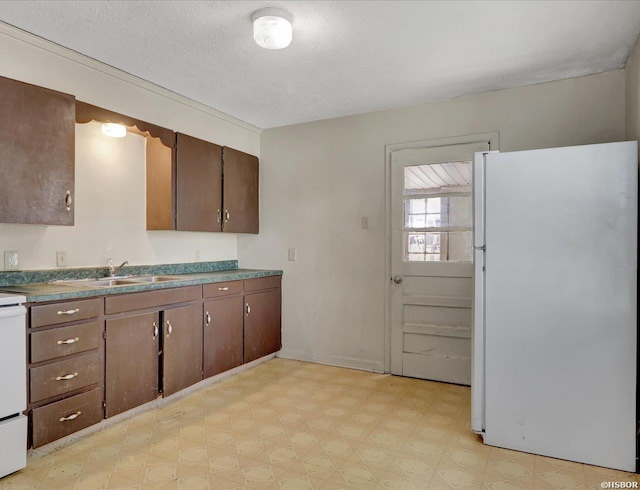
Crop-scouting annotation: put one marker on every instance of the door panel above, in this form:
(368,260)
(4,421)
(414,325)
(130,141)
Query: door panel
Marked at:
(240,192)
(131,362)
(182,348)
(199,184)
(262,323)
(223,335)
(431,306)
(37,154)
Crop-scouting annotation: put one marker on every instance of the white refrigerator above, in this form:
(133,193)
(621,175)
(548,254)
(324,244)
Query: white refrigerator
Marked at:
(555,302)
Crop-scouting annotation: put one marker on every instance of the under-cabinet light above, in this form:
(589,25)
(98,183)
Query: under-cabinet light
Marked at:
(114,130)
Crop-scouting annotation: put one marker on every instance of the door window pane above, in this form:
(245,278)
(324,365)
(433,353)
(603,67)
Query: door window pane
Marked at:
(438,212)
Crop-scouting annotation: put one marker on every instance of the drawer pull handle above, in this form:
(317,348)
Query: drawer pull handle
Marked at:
(68,341)
(169,329)
(227,216)
(248,309)
(71,417)
(224,289)
(208,317)
(155,330)
(69,312)
(66,377)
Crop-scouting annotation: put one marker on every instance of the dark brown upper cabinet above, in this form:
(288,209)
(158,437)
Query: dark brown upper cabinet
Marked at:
(37,152)
(198,184)
(240,193)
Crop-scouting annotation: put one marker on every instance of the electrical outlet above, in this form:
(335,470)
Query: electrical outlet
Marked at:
(293,254)
(196,255)
(61,258)
(11,260)
(365,222)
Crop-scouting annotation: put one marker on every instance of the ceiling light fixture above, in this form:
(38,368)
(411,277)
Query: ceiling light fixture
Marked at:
(272,28)
(114,130)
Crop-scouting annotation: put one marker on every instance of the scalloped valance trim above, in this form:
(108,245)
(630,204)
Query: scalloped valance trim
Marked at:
(86,113)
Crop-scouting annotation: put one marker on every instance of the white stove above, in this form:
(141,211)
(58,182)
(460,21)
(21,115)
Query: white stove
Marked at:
(13,384)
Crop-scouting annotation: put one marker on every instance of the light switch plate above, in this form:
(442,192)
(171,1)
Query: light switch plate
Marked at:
(61,258)
(293,254)
(11,260)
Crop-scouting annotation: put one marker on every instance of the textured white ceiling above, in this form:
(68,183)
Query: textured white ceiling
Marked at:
(346,57)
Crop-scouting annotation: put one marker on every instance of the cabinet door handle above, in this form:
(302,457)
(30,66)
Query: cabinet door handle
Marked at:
(227,216)
(169,329)
(66,377)
(248,308)
(68,312)
(224,289)
(155,330)
(68,341)
(68,200)
(208,317)
(219,216)
(71,417)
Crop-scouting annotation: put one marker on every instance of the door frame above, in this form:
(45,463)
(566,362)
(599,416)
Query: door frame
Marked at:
(493,138)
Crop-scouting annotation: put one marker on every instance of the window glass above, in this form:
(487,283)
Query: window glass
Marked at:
(438,213)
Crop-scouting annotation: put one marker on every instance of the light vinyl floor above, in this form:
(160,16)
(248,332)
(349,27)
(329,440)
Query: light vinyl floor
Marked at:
(290,425)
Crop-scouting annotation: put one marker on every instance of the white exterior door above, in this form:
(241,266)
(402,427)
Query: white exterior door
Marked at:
(431,261)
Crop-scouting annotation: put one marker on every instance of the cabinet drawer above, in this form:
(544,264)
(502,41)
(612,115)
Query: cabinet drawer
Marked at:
(69,311)
(261,283)
(63,376)
(222,289)
(151,299)
(65,417)
(63,341)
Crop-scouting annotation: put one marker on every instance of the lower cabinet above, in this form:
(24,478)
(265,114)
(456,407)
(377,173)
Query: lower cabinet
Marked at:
(132,348)
(262,321)
(65,372)
(223,336)
(155,342)
(181,348)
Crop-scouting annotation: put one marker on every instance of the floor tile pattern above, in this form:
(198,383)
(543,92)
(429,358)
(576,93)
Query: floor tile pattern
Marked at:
(288,425)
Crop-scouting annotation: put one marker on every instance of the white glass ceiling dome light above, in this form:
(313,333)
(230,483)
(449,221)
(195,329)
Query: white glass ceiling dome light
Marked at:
(114,130)
(272,28)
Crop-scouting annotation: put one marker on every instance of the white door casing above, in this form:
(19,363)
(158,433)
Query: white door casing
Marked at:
(430,310)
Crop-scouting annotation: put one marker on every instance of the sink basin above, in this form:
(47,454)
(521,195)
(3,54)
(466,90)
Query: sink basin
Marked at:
(150,279)
(107,282)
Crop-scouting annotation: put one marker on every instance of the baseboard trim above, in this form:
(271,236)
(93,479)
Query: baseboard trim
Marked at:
(339,361)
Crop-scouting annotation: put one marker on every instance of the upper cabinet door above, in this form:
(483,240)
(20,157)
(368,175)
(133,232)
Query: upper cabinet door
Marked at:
(241,213)
(37,152)
(198,184)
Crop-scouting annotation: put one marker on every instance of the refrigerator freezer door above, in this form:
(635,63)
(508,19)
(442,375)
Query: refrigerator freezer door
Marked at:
(560,302)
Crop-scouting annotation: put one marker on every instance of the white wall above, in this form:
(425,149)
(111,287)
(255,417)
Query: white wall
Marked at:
(319,179)
(110,173)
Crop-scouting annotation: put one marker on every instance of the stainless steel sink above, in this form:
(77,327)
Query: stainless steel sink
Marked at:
(150,278)
(107,282)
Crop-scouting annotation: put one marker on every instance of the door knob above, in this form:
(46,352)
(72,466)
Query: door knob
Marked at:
(397,279)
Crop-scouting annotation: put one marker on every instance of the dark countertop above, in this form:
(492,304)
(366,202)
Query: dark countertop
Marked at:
(54,291)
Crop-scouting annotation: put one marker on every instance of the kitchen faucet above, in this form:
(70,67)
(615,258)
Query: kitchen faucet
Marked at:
(114,270)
